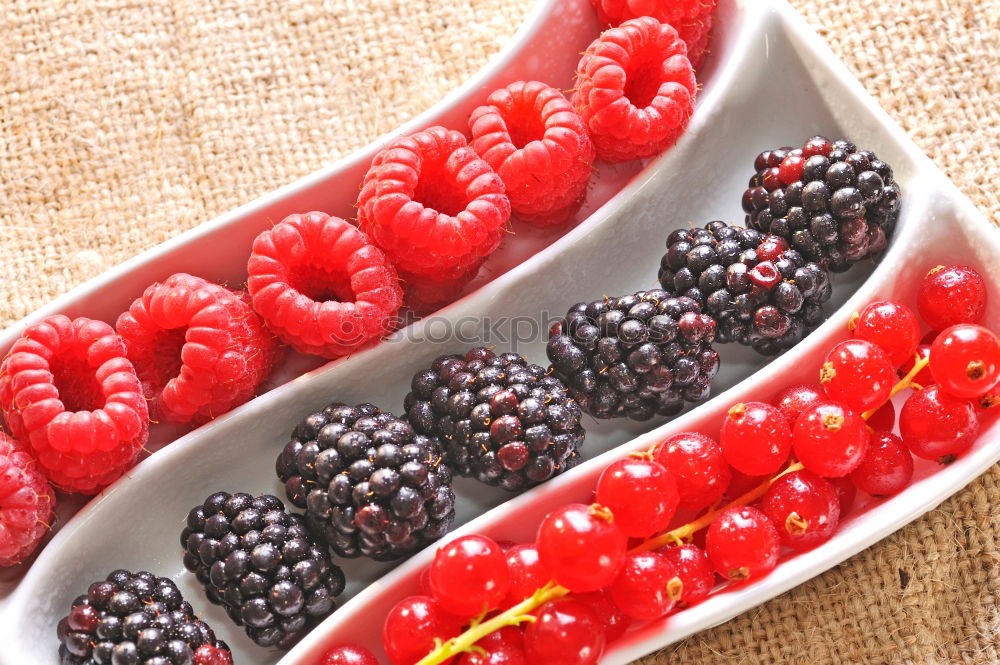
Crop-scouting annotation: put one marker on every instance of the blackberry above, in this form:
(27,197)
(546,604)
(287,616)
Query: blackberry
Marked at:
(137,619)
(760,293)
(370,484)
(500,419)
(834,203)
(261,564)
(636,355)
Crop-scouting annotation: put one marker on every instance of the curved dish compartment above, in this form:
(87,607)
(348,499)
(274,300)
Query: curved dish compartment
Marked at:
(766,83)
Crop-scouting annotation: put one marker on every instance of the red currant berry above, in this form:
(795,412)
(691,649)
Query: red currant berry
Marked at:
(565,632)
(424,582)
(923,377)
(469,575)
(697,465)
(830,439)
(695,573)
(950,295)
(755,438)
(640,493)
(503,647)
(526,573)
(803,507)
(647,586)
(581,547)
(412,626)
(857,373)
(742,483)
(791,168)
(741,543)
(988,401)
(889,325)
(884,417)
(937,426)
(615,621)
(887,467)
(349,654)
(793,400)
(965,360)
(846,493)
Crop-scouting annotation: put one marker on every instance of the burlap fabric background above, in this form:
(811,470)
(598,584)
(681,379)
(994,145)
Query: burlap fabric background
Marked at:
(123,123)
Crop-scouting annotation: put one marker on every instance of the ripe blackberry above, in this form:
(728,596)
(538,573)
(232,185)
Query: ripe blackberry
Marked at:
(636,355)
(760,293)
(370,485)
(500,419)
(138,619)
(261,564)
(834,203)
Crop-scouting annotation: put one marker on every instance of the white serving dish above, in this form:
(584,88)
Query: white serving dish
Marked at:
(768,81)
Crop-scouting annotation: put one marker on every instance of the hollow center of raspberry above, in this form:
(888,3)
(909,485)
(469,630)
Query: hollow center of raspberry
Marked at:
(165,361)
(438,190)
(524,126)
(643,77)
(323,282)
(78,388)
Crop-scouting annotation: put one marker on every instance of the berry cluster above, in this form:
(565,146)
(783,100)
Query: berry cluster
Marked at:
(579,585)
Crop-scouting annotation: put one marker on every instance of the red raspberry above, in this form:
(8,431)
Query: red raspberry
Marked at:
(198,348)
(69,391)
(539,146)
(434,207)
(321,286)
(691,18)
(635,89)
(26,502)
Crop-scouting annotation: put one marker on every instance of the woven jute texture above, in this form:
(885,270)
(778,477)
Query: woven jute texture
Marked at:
(123,123)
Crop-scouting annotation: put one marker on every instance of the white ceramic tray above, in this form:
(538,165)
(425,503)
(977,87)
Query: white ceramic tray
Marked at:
(769,81)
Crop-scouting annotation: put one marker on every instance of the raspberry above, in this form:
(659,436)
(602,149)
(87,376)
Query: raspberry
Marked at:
(322,286)
(26,503)
(198,348)
(538,145)
(635,89)
(691,18)
(434,207)
(69,391)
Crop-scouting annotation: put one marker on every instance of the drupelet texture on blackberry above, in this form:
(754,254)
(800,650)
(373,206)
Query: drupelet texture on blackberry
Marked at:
(137,619)
(261,564)
(833,203)
(636,355)
(760,293)
(500,419)
(370,484)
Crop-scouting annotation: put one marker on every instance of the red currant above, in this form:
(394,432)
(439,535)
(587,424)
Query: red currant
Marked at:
(755,438)
(884,417)
(887,467)
(891,326)
(647,586)
(742,483)
(349,654)
(526,573)
(937,426)
(793,400)
(857,373)
(640,493)
(581,547)
(988,401)
(804,508)
(950,295)
(965,360)
(565,632)
(503,647)
(923,377)
(424,582)
(697,465)
(615,621)
(469,575)
(693,569)
(846,493)
(830,439)
(741,543)
(412,626)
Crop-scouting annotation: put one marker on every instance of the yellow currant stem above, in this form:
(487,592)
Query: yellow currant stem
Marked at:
(904,383)
(686,531)
(520,613)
